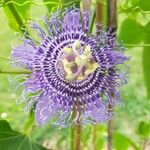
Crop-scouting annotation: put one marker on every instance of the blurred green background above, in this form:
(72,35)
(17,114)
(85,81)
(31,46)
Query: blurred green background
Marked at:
(132,120)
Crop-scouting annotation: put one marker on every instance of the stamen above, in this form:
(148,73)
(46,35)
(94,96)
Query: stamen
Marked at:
(77,45)
(83,61)
(67,50)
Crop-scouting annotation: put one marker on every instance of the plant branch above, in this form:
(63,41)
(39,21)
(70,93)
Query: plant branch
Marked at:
(76,131)
(99,15)
(99,22)
(112,24)
(86,5)
(112,14)
(77,134)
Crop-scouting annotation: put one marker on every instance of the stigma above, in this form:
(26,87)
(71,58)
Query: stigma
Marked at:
(78,62)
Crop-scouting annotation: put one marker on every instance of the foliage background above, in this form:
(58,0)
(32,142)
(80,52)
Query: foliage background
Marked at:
(132,121)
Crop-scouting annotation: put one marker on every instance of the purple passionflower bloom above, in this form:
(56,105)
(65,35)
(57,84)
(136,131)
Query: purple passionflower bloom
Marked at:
(74,75)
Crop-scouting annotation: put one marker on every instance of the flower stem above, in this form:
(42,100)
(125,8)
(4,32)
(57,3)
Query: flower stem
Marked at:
(76,131)
(112,23)
(77,135)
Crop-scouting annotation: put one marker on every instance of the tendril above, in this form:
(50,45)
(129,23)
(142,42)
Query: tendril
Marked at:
(2,3)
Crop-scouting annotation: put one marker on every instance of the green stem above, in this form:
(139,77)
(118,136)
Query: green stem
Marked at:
(94,132)
(7,59)
(136,45)
(16,16)
(14,72)
(72,138)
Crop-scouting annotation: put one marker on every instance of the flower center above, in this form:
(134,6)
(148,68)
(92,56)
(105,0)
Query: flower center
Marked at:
(78,62)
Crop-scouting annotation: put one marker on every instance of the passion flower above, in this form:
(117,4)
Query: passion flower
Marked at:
(75,74)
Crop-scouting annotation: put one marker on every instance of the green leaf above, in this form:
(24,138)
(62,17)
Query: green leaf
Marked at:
(50,7)
(13,140)
(60,141)
(67,3)
(130,32)
(11,20)
(144,129)
(145,5)
(135,2)
(23,10)
(17,15)
(71,2)
(146,60)
(46,131)
(100,142)
(101,136)
(122,142)
(4,126)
